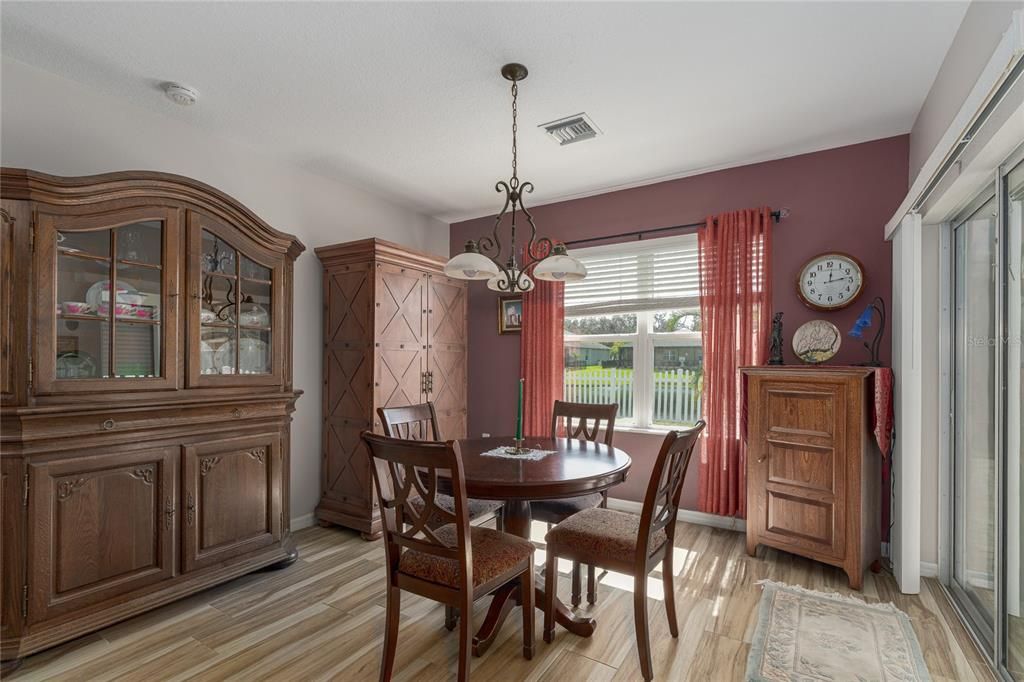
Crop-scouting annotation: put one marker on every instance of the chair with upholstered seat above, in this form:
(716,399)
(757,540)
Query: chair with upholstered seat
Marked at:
(454,563)
(419,422)
(582,421)
(628,543)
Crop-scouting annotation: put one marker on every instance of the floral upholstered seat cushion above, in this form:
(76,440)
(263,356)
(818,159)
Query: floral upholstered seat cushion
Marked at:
(494,554)
(553,511)
(599,533)
(477,508)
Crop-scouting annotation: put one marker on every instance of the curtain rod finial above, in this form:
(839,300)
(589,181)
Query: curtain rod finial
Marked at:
(784,213)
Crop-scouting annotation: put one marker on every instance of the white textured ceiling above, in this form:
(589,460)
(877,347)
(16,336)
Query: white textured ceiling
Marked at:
(405,98)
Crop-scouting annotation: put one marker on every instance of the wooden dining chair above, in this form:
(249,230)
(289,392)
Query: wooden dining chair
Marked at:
(419,422)
(628,543)
(582,421)
(454,563)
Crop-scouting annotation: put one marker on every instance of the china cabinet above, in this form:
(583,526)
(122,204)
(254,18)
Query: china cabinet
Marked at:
(394,334)
(146,387)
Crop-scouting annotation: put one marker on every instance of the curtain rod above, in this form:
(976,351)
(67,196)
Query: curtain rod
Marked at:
(639,234)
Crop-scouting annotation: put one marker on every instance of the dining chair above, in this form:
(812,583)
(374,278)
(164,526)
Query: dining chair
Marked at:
(419,422)
(582,421)
(627,543)
(453,563)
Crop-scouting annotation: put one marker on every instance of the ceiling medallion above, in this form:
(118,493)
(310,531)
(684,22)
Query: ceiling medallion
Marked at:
(541,257)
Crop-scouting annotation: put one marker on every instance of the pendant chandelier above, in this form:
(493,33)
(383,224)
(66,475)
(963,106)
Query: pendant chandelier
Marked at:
(485,258)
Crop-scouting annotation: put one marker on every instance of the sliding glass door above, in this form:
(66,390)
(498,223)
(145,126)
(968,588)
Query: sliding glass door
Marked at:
(975,395)
(984,573)
(1013,185)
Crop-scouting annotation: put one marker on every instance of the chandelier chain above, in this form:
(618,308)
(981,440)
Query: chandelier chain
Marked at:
(515,129)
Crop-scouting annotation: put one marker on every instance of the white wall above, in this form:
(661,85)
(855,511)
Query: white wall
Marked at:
(55,125)
(979,33)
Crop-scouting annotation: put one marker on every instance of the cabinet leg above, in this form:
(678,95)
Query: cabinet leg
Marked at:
(292,557)
(324,524)
(9,666)
(751,547)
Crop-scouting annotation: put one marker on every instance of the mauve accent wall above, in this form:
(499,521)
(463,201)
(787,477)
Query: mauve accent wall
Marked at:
(839,199)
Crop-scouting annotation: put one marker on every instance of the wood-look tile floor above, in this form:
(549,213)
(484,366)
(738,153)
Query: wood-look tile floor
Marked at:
(323,618)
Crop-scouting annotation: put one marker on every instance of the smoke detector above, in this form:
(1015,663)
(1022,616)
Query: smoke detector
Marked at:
(571,129)
(181,94)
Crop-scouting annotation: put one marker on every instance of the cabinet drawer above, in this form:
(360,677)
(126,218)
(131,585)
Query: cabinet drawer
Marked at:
(101,526)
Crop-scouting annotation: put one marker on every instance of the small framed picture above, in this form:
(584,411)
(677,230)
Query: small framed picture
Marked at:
(510,315)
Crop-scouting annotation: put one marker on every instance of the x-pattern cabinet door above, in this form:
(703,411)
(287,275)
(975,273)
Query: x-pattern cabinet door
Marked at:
(446,353)
(231,498)
(401,332)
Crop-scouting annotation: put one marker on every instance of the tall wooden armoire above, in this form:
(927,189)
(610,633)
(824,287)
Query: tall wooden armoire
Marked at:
(813,471)
(145,398)
(394,334)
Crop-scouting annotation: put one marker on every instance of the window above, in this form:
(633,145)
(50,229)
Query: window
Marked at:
(633,331)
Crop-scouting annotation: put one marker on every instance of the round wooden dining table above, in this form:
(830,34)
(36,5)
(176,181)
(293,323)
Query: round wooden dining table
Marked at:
(574,468)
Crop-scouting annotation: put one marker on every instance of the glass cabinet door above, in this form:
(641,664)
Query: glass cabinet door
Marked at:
(236,306)
(110,283)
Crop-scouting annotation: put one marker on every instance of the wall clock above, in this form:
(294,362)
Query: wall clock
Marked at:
(830,281)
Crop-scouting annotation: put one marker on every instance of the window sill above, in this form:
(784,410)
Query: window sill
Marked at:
(650,430)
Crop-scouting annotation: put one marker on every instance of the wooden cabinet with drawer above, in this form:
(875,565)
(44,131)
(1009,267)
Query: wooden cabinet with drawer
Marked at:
(813,473)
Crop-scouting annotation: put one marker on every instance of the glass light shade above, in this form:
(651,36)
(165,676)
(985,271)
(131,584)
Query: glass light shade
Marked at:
(494,283)
(471,265)
(560,268)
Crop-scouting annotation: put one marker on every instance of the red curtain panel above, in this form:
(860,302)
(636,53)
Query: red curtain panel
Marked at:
(735,302)
(541,355)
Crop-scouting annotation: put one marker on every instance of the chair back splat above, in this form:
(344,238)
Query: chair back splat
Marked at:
(661,502)
(584,421)
(412,422)
(407,471)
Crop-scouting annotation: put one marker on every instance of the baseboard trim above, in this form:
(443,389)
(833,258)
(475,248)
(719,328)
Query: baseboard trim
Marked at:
(929,569)
(687,515)
(305,521)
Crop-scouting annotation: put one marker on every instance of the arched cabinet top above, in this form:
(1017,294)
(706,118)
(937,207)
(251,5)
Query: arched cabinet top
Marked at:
(29,185)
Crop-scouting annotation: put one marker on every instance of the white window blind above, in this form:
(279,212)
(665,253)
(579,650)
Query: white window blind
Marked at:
(653,274)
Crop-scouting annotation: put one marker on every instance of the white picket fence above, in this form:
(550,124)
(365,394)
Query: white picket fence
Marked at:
(676,392)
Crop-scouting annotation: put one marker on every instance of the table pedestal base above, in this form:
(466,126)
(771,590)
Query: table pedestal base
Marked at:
(516,519)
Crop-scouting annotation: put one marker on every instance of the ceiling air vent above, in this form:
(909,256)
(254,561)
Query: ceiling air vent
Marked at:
(571,129)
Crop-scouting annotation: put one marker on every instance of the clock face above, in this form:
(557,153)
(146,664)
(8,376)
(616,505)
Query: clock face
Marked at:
(831,281)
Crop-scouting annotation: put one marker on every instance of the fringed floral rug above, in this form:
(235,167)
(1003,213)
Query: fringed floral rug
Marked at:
(805,636)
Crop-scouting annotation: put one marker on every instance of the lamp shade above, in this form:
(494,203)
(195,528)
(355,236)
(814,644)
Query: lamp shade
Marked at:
(560,268)
(500,283)
(471,265)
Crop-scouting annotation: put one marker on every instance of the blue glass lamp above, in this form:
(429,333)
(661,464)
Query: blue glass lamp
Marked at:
(863,322)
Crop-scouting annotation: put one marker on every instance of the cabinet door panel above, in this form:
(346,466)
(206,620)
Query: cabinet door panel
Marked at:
(231,498)
(349,388)
(236,330)
(446,354)
(401,333)
(106,299)
(797,485)
(102,526)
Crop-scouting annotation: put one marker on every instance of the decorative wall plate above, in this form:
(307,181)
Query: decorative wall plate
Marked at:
(816,341)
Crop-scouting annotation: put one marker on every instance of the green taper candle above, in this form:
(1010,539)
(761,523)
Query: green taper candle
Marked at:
(519,412)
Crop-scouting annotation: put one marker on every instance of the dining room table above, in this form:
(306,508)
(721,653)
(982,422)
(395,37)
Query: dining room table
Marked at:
(568,468)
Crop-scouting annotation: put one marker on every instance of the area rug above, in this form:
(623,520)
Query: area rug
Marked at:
(805,636)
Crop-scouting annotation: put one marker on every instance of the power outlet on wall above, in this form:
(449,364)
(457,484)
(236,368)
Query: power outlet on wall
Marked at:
(485,435)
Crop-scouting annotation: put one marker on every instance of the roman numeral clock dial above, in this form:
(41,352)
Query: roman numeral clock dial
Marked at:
(830,281)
